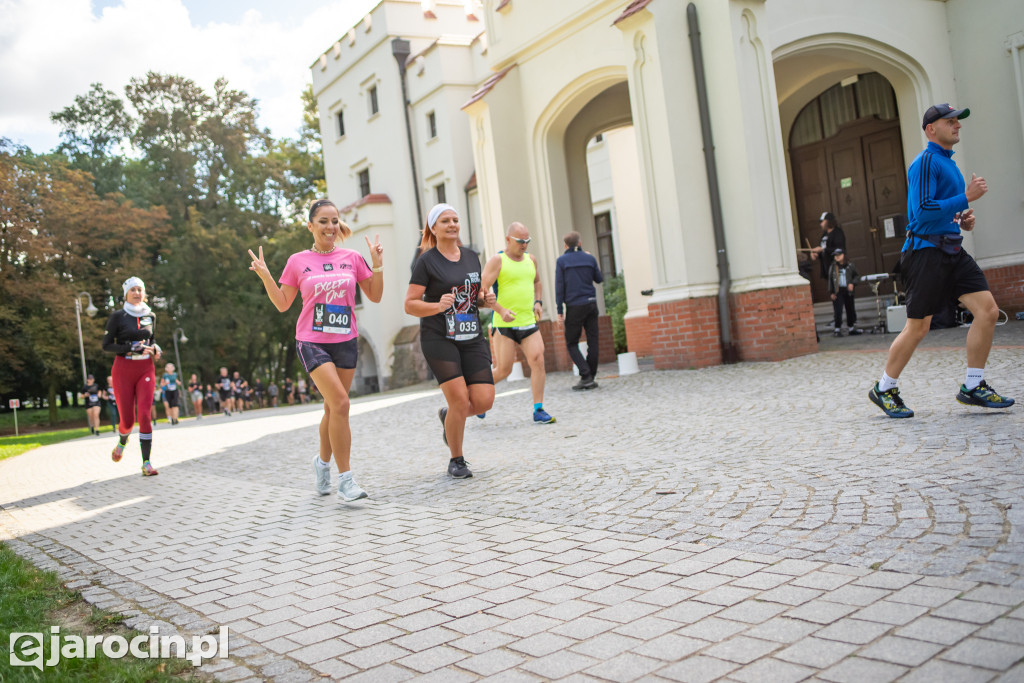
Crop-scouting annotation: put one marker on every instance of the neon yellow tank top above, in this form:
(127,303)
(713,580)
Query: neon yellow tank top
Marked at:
(515,291)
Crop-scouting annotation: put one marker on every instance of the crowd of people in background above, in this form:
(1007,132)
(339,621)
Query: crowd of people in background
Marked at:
(203,399)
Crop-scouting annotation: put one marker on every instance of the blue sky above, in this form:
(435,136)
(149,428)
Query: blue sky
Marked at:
(52,50)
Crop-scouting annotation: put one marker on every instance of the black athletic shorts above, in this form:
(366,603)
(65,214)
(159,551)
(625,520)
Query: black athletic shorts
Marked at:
(342,354)
(517,334)
(934,279)
(171,398)
(448,359)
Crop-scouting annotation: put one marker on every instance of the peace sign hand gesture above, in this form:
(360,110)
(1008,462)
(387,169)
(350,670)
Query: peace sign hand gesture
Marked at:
(259,266)
(376,250)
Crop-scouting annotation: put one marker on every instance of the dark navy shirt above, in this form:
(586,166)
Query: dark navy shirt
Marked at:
(576,271)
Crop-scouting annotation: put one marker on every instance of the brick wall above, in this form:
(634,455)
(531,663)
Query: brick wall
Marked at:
(768,325)
(1007,285)
(684,334)
(773,324)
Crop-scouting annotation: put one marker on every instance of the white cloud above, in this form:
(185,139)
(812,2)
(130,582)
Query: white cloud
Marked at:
(52,50)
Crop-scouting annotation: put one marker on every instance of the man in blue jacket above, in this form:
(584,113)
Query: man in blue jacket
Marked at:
(935,268)
(576,271)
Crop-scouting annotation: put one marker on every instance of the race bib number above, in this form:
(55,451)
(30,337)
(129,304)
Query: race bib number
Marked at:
(331,319)
(462,326)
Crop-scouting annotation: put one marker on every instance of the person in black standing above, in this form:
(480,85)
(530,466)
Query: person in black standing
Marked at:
(129,334)
(832,238)
(576,272)
(842,276)
(444,292)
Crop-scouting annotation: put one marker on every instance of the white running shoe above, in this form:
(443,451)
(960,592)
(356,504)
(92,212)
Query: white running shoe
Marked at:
(323,476)
(348,490)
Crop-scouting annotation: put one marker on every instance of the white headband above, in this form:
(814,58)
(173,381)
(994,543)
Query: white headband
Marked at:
(133,282)
(436,212)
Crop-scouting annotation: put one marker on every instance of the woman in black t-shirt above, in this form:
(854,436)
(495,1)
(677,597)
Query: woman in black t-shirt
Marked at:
(443,293)
(91,394)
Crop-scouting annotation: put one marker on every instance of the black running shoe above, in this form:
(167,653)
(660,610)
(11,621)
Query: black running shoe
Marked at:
(442,413)
(458,468)
(983,395)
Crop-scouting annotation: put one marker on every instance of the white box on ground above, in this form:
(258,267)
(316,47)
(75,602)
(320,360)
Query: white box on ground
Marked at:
(895,318)
(628,363)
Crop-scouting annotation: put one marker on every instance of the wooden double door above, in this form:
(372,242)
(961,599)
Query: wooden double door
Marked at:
(859,175)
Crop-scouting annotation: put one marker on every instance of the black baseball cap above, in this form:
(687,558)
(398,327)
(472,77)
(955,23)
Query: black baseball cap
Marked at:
(837,252)
(943,111)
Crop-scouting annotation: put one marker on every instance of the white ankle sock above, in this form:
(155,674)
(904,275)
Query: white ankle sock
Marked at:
(974,377)
(323,464)
(887,382)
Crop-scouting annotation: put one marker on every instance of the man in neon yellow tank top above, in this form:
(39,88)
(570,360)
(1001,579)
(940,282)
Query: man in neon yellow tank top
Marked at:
(516,313)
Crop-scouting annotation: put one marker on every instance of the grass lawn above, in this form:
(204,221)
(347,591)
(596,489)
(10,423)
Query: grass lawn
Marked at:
(35,600)
(16,445)
(40,417)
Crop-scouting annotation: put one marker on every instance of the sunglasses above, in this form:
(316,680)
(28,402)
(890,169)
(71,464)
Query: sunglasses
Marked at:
(521,241)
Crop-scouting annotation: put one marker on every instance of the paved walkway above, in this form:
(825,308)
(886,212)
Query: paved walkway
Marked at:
(757,522)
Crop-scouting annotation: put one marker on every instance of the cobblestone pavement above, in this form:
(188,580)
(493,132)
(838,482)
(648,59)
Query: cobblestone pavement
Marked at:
(757,522)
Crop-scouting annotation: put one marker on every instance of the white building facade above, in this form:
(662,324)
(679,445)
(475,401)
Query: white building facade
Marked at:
(812,107)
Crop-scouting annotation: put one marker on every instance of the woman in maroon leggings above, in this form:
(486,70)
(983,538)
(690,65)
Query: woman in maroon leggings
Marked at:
(130,336)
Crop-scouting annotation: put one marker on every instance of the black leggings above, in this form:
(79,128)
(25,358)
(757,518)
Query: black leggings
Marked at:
(448,359)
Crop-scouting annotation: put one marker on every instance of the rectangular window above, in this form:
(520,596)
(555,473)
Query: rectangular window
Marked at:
(341,124)
(439,194)
(364,182)
(605,244)
(431,125)
(373,100)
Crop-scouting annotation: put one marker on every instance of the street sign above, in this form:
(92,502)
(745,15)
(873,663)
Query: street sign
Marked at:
(14,405)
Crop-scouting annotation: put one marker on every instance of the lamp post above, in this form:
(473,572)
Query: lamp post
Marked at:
(91,312)
(180,333)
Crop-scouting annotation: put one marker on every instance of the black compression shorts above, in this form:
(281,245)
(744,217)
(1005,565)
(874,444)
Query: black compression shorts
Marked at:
(517,334)
(935,279)
(171,397)
(449,360)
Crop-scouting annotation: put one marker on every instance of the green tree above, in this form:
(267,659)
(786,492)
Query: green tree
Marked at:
(58,238)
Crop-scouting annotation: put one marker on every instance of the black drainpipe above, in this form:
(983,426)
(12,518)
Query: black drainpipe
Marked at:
(729,352)
(400,50)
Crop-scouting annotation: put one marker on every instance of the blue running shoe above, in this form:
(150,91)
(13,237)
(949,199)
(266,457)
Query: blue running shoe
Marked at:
(983,395)
(890,402)
(541,417)
(482,415)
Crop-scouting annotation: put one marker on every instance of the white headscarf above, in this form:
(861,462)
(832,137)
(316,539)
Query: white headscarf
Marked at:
(142,309)
(436,212)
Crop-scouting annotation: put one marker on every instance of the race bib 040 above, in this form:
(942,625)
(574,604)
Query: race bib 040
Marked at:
(331,319)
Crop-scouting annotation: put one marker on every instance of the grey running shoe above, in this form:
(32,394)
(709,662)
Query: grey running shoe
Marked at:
(348,490)
(323,476)
(983,395)
(458,468)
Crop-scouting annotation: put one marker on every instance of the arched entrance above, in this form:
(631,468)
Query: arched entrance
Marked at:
(846,155)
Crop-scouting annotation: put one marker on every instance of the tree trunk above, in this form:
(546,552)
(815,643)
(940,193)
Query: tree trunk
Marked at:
(52,401)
